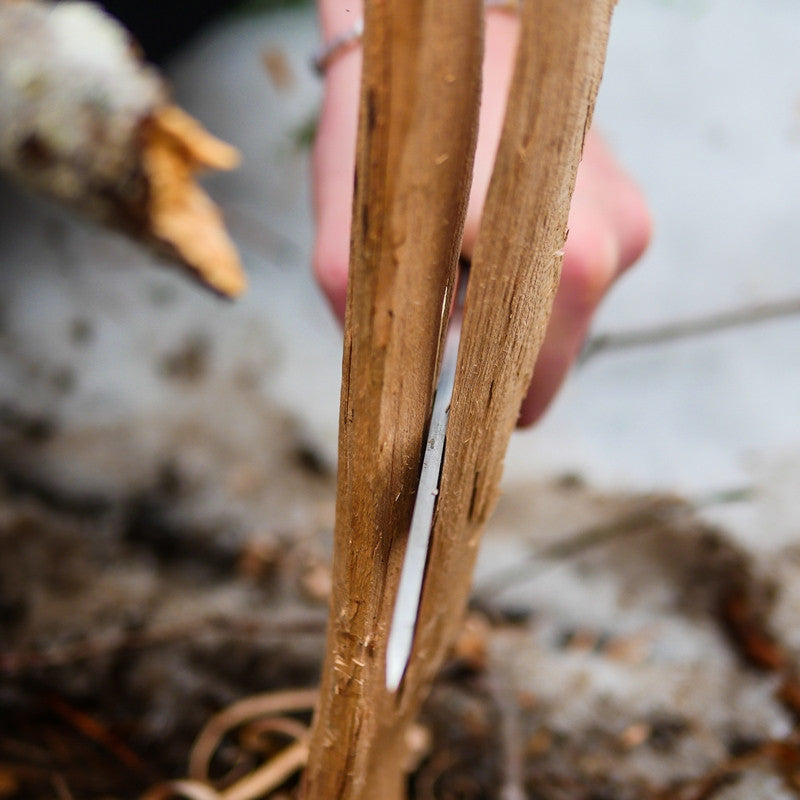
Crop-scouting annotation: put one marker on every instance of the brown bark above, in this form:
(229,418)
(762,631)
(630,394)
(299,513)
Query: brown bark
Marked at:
(391,346)
(514,276)
(419,101)
(85,122)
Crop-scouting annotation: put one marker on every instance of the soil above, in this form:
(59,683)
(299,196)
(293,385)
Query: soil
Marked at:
(618,647)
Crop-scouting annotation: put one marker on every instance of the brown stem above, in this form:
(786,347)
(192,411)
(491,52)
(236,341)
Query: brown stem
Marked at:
(418,107)
(417,130)
(514,275)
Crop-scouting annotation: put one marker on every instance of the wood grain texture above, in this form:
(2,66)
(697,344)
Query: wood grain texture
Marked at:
(416,137)
(514,276)
(417,130)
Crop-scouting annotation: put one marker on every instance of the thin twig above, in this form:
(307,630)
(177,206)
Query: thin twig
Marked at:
(639,519)
(512,740)
(270,775)
(648,511)
(685,329)
(247,710)
(61,787)
(94,730)
(267,777)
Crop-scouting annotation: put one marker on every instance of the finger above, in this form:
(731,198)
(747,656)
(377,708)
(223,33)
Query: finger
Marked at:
(334,149)
(605,190)
(333,164)
(586,273)
(609,228)
(502,32)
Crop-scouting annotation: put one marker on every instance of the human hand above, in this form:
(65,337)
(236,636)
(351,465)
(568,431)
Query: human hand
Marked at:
(609,224)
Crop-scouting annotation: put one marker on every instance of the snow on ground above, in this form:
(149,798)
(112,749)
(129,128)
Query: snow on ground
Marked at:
(701,100)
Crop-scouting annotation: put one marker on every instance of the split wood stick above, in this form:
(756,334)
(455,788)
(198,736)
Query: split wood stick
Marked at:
(417,129)
(84,121)
(514,276)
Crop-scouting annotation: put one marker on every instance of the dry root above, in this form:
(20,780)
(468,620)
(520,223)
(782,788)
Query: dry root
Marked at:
(258,721)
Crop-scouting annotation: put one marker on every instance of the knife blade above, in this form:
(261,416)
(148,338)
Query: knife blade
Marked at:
(412,572)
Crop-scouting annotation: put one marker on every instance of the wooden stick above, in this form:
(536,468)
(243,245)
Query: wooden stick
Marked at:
(393,331)
(514,276)
(417,129)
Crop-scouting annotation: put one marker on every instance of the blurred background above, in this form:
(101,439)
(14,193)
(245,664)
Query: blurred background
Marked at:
(204,431)
(701,100)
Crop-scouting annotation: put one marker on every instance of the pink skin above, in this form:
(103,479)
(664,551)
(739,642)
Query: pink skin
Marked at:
(609,224)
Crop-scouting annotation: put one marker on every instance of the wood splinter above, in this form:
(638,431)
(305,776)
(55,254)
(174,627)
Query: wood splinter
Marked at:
(86,122)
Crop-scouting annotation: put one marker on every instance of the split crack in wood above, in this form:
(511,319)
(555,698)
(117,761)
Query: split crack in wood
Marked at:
(407,223)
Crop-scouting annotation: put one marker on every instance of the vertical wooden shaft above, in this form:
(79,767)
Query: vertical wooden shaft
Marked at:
(417,128)
(514,276)
(418,112)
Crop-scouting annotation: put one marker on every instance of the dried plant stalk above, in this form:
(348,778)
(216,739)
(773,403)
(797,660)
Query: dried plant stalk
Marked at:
(392,344)
(514,276)
(84,121)
(418,119)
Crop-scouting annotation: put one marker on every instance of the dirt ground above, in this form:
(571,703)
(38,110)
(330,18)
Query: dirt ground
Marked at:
(618,647)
